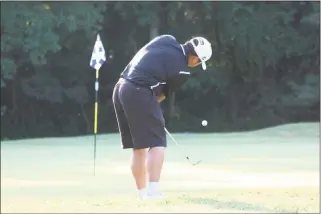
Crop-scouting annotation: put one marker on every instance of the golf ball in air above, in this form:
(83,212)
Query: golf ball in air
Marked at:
(204,123)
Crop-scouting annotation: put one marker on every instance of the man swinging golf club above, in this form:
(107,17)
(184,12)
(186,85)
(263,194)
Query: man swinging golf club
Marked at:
(157,69)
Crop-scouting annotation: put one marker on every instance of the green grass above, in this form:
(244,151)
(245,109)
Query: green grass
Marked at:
(271,170)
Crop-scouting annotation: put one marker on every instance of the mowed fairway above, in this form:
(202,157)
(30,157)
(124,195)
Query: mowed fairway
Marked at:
(269,170)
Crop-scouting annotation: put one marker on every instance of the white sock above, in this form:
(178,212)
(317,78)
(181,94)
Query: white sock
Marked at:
(152,187)
(142,192)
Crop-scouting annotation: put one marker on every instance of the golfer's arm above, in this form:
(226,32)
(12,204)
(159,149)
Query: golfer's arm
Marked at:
(174,84)
(161,97)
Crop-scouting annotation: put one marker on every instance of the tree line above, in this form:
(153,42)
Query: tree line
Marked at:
(265,68)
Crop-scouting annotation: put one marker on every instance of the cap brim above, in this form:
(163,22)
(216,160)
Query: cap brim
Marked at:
(204,66)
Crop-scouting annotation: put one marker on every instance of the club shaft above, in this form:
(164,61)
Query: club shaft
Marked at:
(172,137)
(187,157)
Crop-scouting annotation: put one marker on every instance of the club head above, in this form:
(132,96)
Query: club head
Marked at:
(193,163)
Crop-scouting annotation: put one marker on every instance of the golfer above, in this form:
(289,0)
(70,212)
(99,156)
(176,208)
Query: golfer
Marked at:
(157,69)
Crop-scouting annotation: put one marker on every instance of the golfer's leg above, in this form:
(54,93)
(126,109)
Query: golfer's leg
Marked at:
(123,127)
(138,168)
(146,124)
(154,167)
(132,101)
(156,152)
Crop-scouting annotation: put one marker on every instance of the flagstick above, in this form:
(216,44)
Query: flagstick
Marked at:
(98,58)
(96,114)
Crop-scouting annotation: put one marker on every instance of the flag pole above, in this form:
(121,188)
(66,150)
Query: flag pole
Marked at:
(96,117)
(98,58)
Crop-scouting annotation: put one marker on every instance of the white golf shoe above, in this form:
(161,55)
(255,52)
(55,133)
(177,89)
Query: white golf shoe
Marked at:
(157,195)
(153,196)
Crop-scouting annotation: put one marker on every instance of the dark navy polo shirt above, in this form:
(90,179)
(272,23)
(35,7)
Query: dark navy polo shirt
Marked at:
(161,65)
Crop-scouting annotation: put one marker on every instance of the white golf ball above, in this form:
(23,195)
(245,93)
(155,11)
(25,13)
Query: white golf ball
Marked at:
(204,123)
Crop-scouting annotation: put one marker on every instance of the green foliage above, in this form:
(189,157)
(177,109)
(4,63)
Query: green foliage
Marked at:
(8,68)
(303,94)
(43,87)
(3,110)
(78,93)
(142,12)
(31,30)
(264,70)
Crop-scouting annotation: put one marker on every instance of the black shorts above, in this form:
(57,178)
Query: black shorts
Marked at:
(139,116)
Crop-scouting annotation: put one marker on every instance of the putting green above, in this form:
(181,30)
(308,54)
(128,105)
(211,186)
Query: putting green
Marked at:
(271,170)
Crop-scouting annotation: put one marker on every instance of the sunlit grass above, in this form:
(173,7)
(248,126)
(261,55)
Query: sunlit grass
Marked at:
(240,172)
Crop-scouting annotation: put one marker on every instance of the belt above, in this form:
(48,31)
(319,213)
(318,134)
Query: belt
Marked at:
(122,79)
(153,89)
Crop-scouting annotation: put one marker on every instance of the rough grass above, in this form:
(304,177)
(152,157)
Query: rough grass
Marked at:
(271,170)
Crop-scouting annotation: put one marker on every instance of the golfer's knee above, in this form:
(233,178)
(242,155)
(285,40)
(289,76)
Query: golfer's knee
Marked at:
(139,152)
(157,149)
(139,155)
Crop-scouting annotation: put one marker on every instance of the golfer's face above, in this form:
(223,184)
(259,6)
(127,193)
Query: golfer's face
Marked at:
(193,61)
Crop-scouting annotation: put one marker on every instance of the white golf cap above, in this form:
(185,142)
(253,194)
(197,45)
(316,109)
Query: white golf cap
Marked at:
(203,49)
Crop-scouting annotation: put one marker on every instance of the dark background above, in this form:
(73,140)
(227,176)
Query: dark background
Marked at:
(265,68)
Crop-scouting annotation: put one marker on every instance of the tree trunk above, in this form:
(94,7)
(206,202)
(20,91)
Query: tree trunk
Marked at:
(14,94)
(217,25)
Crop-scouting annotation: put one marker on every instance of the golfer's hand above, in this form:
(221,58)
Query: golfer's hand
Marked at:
(160,98)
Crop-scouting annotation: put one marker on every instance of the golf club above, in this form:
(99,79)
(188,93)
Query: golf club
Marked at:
(187,157)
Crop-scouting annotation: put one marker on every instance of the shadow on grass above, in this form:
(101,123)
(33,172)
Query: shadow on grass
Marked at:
(237,205)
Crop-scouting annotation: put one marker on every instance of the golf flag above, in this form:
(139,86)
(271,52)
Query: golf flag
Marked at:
(98,58)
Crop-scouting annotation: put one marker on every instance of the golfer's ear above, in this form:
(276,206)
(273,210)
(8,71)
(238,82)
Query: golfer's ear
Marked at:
(197,60)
